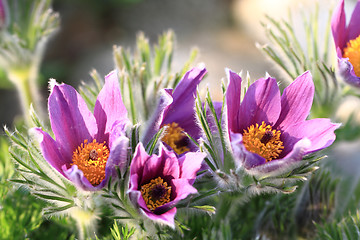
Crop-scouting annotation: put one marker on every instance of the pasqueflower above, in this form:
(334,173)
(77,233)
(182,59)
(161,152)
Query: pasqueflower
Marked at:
(158,183)
(176,111)
(269,131)
(347,43)
(87,146)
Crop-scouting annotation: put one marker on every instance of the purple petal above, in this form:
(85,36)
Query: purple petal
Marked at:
(165,218)
(76,176)
(319,131)
(274,166)
(354,24)
(261,103)
(71,120)
(165,165)
(138,161)
(296,101)
(181,110)
(50,150)
(157,119)
(118,130)
(338,27)
(117,157)
(233,96)
(346,70)
(109,106)
(190,163)
(183,188)
(134,193)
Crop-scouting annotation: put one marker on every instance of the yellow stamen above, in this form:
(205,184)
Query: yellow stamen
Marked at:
(176,138)
(263,140)
(91,158)
(156,193)
(352,51)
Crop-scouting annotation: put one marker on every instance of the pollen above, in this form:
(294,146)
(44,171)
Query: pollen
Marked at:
(352,51)
(156,193)
(91,159)
(263,140)
(176,138)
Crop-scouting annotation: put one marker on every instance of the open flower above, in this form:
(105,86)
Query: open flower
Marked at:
(269,131)
(176,111)
(347,43)
(87,146)
(158,183)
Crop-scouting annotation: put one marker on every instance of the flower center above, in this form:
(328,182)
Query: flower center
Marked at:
(176,138)
(263,140)
(352,51)
(91,159)
(156,193)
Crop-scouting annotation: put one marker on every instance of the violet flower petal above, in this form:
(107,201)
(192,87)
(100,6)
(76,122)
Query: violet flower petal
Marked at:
(319,131)
(117,157)
(296,101)
(165,165)
(165,218)
(50,150)
(181,110)
(118,130)
(138,162)
(157,118)
(190,163)
(71,120)
(353,29)
(346,70)
(338,27)
(261,103)
(109,107)
(233,96)
(183,188)
(76,176)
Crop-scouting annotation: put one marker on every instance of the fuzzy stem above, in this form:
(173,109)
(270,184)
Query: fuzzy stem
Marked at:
(86,223)
(20,78)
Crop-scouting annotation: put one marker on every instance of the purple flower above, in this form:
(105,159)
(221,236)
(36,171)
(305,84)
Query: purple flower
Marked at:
(87,146)
(176,111)
(158,183)
(269,131)
(347,43)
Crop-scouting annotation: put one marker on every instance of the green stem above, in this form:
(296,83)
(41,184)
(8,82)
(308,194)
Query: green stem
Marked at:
(20,78)
(85,221)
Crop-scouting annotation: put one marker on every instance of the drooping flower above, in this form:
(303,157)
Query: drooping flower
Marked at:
(176,111)
(87,146)
(347,43)
(269,131)
(158,183)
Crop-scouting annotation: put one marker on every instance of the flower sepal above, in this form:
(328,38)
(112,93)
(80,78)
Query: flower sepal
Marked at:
(284,180)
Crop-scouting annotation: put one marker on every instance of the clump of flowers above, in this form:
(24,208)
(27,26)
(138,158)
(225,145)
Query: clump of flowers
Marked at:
(97,164)
(347,43)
